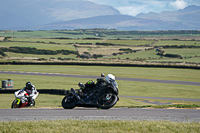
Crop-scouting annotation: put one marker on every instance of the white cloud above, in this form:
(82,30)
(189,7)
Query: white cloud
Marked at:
(179,4)
(133,7)
(132,10)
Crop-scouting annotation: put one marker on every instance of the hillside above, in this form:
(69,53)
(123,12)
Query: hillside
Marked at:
(185,19)
(120,22)
(189,15)
(18,15)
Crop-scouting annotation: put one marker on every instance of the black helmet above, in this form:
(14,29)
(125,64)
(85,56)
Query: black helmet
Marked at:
(28,85)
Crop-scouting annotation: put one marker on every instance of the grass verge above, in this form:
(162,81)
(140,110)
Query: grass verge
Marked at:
(128,72)
(54,101)
(98,126)
(178,106)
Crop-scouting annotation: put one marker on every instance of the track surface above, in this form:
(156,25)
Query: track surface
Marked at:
(94,77)
(179,115)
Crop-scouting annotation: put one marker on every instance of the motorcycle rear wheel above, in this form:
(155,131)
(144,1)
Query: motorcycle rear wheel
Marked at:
(14,104)
(107,100)
(69,101)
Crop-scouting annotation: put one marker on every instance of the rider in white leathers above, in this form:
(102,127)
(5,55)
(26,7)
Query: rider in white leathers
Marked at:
(32,92)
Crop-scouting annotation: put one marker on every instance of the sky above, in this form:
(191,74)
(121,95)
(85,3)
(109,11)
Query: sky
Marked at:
(134,7)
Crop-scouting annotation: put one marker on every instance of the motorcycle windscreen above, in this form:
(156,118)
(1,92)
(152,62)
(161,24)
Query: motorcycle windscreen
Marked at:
(115,84)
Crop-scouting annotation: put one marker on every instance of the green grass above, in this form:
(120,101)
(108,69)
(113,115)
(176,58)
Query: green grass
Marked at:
(178,106)
(158,90)
(98,126)
(60,41)
(38,45)
(128,72)
(184,52)
(54,101)
(176,42)
(129,88)
(130,42)
(42,101)
(188,54)
(44,82)
(108,34)
(150,54)
(189,60)
(45,34)
(29,57)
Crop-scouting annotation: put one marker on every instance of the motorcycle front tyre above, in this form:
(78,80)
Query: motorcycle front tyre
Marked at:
(68,105)
(14,104)
(109,104)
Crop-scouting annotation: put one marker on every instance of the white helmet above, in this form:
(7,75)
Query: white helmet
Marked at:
(109,78)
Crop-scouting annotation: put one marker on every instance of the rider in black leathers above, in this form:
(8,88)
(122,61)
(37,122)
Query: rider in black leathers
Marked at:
(90,85)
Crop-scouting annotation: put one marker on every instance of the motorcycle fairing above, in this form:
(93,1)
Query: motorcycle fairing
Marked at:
(18,100)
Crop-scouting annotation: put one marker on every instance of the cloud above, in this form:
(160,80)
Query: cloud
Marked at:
(132,10)
(144,6)
(133,7)
(179,4)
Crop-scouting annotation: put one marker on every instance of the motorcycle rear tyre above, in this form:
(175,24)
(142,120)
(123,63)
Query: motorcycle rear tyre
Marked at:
(111,104)
(68,105)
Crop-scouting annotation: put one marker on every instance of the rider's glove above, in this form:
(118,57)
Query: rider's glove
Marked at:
(81,85)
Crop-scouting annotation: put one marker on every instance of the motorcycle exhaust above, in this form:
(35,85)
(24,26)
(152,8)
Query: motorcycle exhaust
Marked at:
(77,96)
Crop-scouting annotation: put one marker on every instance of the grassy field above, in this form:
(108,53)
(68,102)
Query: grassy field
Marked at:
(130,88)
(38,45)
(130,42)
(58,41)
(122,51)
(92,33)
(98,126)
(54,101)
(176,42)
(128,72)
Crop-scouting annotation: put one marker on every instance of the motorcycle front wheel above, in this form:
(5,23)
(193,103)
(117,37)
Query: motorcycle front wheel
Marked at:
(107,100)
(69,101)
(14,104)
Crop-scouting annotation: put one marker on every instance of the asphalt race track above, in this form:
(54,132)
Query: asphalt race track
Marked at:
(178,115)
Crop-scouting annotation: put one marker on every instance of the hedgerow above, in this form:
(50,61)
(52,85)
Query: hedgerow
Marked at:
(28,50)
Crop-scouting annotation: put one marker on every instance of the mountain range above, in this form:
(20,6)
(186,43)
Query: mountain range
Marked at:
(78,14)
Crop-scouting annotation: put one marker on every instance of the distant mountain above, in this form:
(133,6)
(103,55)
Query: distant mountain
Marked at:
(81,14)
(120,22)
(19,14)
(107,21)
(189,16)
(185,19)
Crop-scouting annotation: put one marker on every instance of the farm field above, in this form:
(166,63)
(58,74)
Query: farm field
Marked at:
(103,33)
(101,46)
(127,51)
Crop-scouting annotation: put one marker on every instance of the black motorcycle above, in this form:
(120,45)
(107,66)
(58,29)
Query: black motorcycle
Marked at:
(103,95)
